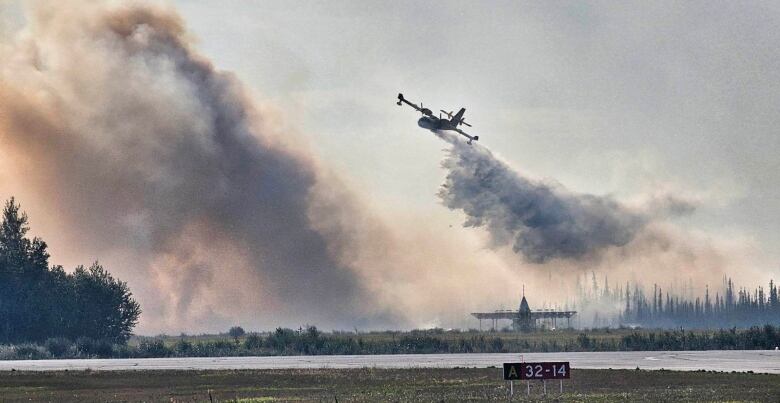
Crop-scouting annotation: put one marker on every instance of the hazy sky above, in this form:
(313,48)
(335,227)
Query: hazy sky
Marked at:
(622,98)
(628,100)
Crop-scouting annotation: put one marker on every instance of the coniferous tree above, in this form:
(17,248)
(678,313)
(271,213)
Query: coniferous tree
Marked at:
(39,302)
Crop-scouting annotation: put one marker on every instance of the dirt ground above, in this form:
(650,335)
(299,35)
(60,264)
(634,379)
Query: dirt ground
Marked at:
(346,385)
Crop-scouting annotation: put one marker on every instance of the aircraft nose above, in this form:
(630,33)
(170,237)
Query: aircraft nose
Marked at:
(425,123)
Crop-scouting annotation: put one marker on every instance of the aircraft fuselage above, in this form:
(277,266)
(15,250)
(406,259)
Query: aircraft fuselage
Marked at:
(433,123)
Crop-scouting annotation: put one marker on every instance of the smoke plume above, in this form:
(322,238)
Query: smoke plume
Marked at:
(156,159)
(539,220)
(568,234)
(125,145)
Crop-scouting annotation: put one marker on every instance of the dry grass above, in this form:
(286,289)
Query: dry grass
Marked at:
(380,385)
(561,336)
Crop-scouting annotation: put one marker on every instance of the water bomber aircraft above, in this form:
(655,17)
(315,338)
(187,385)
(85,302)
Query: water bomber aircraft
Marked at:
(432,123)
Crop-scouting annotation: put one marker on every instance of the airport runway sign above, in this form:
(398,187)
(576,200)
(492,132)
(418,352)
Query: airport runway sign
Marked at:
(542,371)
(536,370)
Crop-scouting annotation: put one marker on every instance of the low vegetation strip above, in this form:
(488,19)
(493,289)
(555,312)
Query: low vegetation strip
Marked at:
(311,341)
(459,384)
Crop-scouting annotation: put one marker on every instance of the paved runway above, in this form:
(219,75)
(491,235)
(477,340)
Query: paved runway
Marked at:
(756,361)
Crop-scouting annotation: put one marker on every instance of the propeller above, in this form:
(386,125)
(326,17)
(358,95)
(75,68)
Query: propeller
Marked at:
(462,121)
(425,111)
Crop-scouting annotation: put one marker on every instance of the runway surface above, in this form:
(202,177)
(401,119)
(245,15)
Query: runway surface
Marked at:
(717,360)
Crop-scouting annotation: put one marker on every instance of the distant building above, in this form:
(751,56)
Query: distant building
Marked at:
(524,319)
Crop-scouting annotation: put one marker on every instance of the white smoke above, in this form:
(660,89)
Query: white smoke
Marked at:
(541,221)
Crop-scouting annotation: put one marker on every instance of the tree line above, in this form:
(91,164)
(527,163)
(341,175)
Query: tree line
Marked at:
(310,341)
(680,306)
(39,301)
(740,308)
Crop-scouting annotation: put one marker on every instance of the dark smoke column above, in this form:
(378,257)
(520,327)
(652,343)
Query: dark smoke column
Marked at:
(159,160)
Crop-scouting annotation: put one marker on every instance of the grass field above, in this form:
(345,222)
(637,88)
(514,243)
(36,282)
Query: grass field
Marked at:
(311,341)
(561,336)
(558,340)
(381,385)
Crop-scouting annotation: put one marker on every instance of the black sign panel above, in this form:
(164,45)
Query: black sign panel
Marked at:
(536,370)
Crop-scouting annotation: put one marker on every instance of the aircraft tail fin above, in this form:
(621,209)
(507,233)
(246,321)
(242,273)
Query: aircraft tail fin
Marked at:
(457,119)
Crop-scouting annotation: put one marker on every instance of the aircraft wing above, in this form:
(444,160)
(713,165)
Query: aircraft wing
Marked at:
(468,136)
(424,111)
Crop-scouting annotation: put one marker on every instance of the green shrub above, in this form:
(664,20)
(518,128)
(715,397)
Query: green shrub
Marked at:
(253,342)
(7,352)
(122,351)
(58,347)
(235,332)
(216,348)
(497,345)
(31,352)
(89,347)
(153,348)
(281,339)
(183,348)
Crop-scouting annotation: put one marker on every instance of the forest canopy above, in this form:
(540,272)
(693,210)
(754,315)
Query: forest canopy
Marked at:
(39,301)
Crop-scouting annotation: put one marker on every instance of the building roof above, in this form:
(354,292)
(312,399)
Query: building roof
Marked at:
(515,314)
(524,308)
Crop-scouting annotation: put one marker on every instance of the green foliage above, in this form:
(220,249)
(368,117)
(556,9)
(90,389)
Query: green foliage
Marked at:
(88,347)
(58,346)
(235,332)
(584,341)
(29,351)
(183,348)
(754,338)
(38,302)
(417,343)
(280,339)
(310,341)
(253,342)
(218,348)
(153,348)
(106,309)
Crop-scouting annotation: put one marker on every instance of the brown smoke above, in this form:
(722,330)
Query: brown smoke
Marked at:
(147,151)
(125,145)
